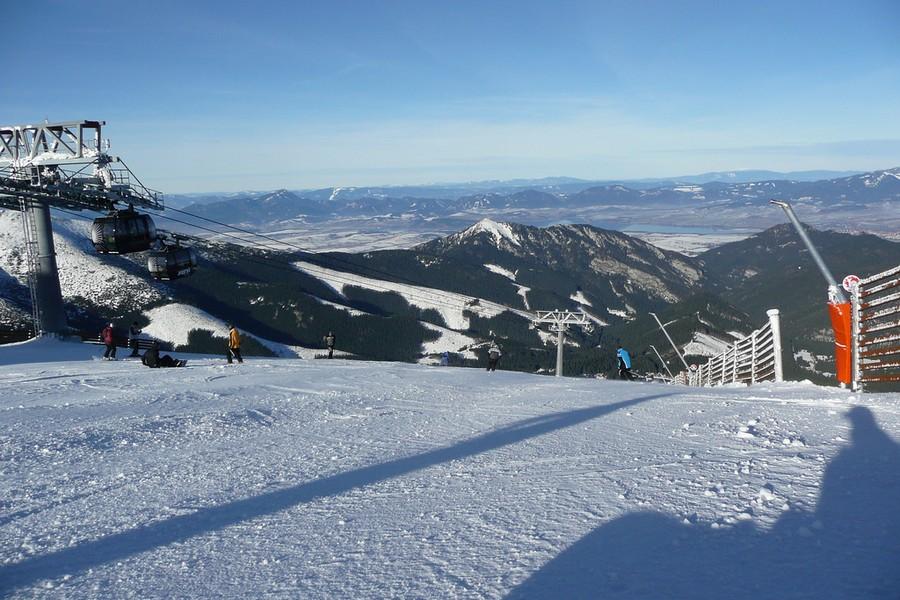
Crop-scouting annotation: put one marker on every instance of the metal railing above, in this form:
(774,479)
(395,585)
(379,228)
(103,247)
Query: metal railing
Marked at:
(752,359)
(875,303)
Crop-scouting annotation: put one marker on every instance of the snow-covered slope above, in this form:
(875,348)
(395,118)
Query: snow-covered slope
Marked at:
(451,306)
(107,281)
(174,323)
(338,479)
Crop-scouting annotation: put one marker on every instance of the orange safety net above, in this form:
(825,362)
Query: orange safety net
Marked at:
(840,323)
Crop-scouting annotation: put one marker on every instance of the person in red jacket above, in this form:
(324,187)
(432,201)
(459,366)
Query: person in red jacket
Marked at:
(107,336)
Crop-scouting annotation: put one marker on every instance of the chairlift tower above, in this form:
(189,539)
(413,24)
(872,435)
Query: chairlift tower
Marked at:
(559,321)
(60,165)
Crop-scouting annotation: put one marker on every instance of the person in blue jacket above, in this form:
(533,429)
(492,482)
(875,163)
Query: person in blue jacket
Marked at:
(624,363)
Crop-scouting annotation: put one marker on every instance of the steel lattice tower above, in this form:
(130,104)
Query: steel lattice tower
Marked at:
(59,165)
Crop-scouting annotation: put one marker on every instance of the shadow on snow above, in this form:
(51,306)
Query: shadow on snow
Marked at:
(848,548)
(86,555)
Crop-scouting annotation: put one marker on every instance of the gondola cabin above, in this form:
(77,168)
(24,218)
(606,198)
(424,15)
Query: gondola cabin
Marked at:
(122,232)
(173,262)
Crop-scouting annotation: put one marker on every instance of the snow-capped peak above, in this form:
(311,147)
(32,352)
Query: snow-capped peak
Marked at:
(875,179)
(499,231)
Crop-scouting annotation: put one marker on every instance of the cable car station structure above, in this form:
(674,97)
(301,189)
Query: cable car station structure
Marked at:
(65,165)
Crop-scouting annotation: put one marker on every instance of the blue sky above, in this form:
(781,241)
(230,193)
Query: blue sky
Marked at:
(220,96)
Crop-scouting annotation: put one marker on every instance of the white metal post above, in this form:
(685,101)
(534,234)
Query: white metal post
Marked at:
(734,364)
(560,341)
(775,325)
(753,356)
(855,383)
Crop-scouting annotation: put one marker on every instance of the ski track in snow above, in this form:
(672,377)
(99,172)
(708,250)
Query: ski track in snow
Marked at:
(346,479)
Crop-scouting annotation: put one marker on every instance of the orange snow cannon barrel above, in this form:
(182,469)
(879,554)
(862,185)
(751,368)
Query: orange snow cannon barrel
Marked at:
(840,323)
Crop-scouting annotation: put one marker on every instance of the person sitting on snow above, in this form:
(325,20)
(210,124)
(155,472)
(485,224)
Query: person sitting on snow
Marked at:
(152,359)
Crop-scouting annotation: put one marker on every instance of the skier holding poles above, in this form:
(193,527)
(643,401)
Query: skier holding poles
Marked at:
(624,363)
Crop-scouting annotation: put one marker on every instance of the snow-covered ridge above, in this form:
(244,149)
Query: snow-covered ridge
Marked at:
(876,179)
(499,231)
(580,298)
(449,305)
(501,271)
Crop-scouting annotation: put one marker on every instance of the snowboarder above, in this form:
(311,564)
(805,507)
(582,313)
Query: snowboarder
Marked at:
(329,343)
(494,355)
(107,336)
(133,332)
(153,360)
(234,344)
(624,363)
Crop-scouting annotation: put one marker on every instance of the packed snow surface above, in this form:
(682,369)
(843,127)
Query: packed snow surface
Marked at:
(286,478)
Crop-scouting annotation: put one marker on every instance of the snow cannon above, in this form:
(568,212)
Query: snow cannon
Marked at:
(838,306)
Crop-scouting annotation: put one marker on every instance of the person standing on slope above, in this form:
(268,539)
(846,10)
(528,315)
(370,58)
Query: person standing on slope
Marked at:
(133,332)
(329,343)
(234,344)
(494,355)
(624,363)
(107,336)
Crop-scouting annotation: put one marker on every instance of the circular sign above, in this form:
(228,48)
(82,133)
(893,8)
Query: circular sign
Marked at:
(850,282)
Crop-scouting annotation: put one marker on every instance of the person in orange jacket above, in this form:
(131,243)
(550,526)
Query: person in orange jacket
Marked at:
(234,344)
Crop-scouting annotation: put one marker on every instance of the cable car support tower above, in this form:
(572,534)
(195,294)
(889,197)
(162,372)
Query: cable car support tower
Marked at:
(559,321)
(60,165)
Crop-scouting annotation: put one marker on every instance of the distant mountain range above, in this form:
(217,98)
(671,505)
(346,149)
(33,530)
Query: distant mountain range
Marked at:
(860,202)
(550,184)
(456,292)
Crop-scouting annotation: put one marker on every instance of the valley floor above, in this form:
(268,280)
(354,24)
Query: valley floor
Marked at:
(344,479)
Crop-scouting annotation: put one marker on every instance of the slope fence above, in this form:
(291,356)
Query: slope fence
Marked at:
(875,304)
(752,359)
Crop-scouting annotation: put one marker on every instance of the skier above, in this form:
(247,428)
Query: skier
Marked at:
(624,363)
(152,359)
(329,343)
(494,355)
(445,359)
(107,336)
(133,332)
(234,344)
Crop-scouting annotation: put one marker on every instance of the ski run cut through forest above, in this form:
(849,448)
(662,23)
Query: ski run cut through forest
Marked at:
(291,478)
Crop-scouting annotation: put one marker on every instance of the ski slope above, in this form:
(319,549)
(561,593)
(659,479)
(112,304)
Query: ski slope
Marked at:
(450,305)
(284,478)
